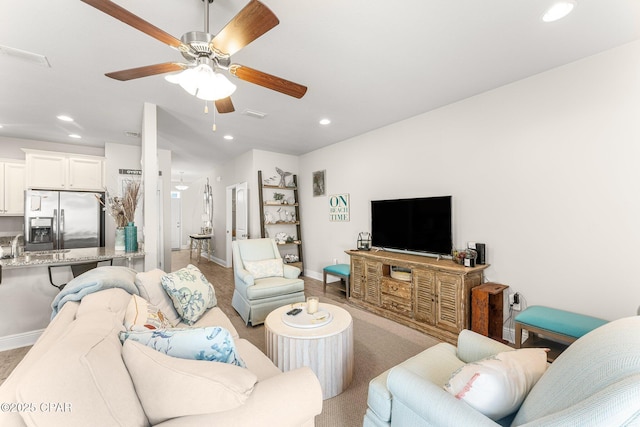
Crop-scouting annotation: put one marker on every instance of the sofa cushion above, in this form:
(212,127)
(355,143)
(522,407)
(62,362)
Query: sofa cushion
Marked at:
(256,361)
(204,387)
(190,291)
(434,364)
(113,300)
(141,315)
(274,286)
(84,374)
(212,343)
(149,284)
(496,386)
(94,280)
(265,268)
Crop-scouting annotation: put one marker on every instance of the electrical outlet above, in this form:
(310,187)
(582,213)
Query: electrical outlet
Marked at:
(514,301)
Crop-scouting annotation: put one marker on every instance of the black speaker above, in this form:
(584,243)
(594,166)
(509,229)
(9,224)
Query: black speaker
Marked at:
(482,257)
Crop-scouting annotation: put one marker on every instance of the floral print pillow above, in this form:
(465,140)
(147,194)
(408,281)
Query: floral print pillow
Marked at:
(190,292)
(142,315)
(212,343)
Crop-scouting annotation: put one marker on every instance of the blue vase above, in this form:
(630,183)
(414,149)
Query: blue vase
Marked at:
(131,238)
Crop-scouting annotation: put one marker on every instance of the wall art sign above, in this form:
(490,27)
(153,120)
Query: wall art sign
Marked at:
(339,207)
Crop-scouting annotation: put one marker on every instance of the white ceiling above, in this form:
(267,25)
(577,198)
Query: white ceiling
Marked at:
(367,63)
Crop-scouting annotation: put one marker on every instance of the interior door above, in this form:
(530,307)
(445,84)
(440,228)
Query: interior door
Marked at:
(176,221)
(242,211)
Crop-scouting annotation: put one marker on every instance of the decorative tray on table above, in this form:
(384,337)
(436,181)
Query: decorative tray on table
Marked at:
(306,320)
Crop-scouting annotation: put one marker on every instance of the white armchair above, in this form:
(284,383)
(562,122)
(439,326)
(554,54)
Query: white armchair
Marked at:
(262,281)
(595,382)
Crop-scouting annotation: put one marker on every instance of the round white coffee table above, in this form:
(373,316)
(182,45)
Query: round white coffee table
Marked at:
(326,349)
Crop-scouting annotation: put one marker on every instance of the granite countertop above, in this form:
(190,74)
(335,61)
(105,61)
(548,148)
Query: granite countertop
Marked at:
(66,256)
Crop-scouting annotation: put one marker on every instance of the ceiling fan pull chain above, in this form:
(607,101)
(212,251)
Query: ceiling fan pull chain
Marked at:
(206,107)
(214,120)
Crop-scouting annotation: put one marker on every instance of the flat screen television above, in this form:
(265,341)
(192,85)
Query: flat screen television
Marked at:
(421,225)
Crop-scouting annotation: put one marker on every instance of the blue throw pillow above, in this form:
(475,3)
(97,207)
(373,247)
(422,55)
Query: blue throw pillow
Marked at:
(190,292)
(212,343)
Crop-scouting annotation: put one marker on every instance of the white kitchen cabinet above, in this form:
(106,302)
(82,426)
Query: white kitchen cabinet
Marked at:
(12,186)
(64,171)
(85,173)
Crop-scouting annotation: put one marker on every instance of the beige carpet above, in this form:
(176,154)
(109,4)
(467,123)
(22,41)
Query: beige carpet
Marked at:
(378,343)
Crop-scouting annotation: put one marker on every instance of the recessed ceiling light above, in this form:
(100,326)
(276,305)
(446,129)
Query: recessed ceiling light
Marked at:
(558,10)
(228,137)
(75,136)
(64,118)
(0,126)
(325,122)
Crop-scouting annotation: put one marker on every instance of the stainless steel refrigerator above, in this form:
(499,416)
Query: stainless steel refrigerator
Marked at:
(62,220)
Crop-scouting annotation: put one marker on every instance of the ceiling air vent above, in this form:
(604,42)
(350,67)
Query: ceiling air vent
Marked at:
(254,113)
(25,56)
(132,134)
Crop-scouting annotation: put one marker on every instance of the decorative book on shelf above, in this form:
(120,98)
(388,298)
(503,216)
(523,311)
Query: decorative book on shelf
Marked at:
(280,216)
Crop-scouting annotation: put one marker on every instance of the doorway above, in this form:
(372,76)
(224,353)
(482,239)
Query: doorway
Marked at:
(176,221)
(237,202)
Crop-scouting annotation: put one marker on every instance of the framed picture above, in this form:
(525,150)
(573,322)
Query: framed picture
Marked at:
(319,188)
(339,208)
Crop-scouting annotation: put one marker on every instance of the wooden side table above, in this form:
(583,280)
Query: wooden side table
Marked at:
(487,310)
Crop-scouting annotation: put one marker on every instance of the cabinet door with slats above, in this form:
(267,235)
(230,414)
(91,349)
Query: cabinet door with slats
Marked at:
(423,284)
(448,301)
(357,277)
(373,273)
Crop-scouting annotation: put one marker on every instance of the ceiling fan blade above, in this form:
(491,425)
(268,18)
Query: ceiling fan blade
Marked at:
(148,70)
(118,12)
(267,80)
(224,105)
(249,24)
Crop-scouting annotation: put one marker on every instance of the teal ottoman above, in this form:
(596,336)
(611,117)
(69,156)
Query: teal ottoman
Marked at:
(556,324)
(343,271)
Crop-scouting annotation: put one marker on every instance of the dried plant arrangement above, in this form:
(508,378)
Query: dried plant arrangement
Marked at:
(130,199)
(123,209)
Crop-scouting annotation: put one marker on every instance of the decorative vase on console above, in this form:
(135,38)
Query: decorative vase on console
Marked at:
(122,210)
(120,239)
(131,238)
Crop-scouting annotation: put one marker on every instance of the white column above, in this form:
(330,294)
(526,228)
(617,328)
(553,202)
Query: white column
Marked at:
(153,251)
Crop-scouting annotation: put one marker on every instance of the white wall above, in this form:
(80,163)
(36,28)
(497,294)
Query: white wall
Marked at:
(544,171)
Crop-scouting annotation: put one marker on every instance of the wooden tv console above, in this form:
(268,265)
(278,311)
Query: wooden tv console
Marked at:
(435,296)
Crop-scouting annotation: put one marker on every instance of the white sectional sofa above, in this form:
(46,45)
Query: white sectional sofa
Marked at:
(79,374)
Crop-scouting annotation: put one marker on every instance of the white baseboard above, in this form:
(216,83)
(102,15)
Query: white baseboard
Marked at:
(19,340)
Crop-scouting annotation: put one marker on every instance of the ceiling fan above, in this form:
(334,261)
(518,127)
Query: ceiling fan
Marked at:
(203,50)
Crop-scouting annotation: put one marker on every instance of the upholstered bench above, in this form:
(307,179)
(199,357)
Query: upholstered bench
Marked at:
(555,324)
(342,271)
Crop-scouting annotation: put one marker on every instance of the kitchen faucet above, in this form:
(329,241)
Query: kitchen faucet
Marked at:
(14,245)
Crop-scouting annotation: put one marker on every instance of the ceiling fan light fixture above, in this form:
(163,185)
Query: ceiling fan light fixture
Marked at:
(203,81)
(215,87)
(173,78)
(182,186)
